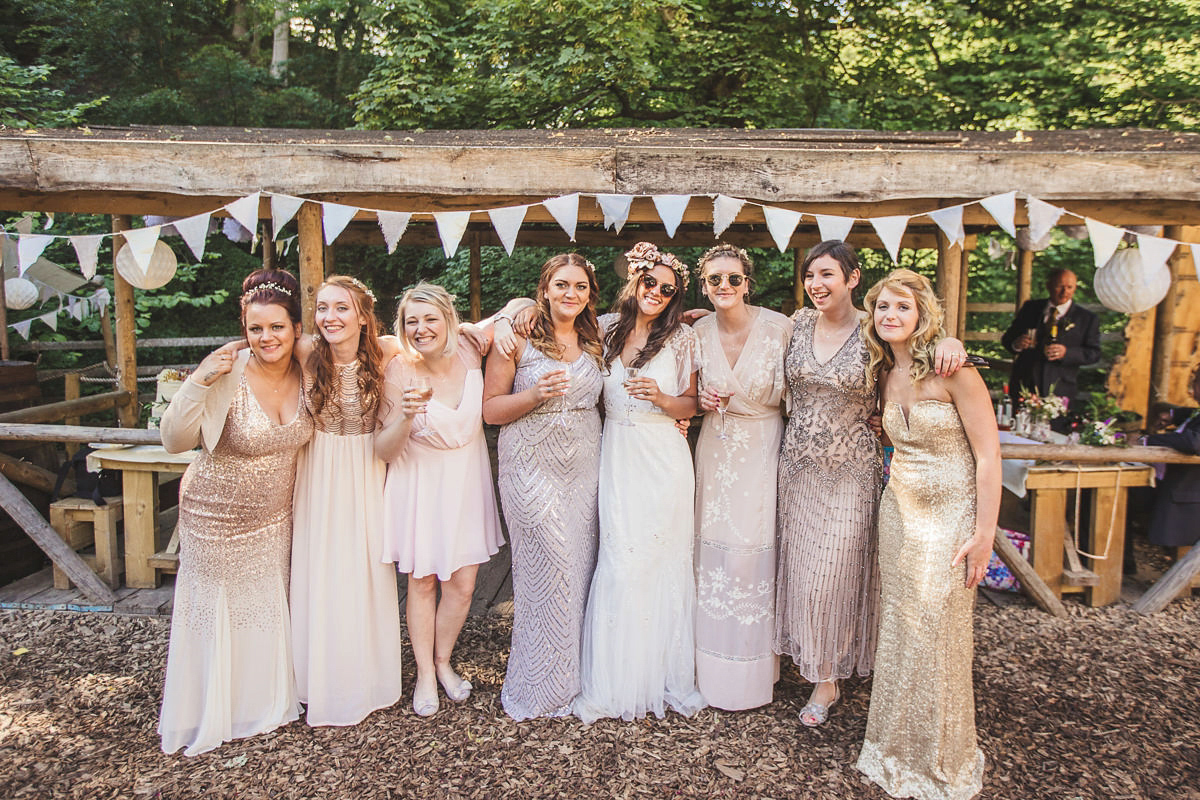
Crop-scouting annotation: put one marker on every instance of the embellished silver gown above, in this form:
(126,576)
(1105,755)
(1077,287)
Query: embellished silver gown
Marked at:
(548,474)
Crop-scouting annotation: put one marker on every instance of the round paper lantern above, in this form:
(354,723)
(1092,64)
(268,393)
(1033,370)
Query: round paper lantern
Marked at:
(19,293)
(158,272)
(1124,284)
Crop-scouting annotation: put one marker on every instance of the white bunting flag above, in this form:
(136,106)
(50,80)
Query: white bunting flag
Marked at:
(1042,217)
(283,208)
(725,211)
(245,211)
(29,248)
(392,223)
(615,208)
(1155,251)
(194,231)
(75,309)
(1003,208)
(891,232)
(50,320)
(1195,248)
(141,242)
(87,249)
(834,228)
(451,226)
(671,208)
(49,223)
(507,222)
(334,218)
(46,292)
(22,328)
(950,221)
(781,222)
(100,298)
(565,211)
(1105,239)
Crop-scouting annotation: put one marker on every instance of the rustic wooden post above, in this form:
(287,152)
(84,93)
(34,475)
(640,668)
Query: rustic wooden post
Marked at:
(268,245)
(312,259)
(110,342)
(1024,277)
(1031,583)
(964,261)
(949,281)
(3,321)
(71,391)
(476,278)
(126,340)
(1168,587)
(26,515)
(797,279)
(1165,326)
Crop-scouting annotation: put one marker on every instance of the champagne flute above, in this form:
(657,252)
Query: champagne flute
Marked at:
(422,387)
(565,383)
(630,374)
(723,395)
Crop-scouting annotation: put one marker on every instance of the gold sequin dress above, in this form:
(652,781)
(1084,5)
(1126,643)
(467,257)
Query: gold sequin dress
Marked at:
(920,738)
(229,665)
(345,609)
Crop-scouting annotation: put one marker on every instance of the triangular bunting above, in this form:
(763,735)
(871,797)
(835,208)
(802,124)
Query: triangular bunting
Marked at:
(141,242)
(1195,248)
(834,228)
(194,231)
(75,309)
(49,223)
(1042,217)
(22,328)
(1155,251)
(1105,239)
(891,232)
(29,247)
(950,221)
(50,320)
(565,211)
(100,298)
(245,211)
(87,249)
(507,222)
(283,208)
(335,217)
(392,223)
(615,208)
(451,226)
(1003,208)
(725,211)
(671,208)
(781,222)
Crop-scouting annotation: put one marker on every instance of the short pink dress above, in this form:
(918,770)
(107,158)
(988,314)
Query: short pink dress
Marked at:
(439,500)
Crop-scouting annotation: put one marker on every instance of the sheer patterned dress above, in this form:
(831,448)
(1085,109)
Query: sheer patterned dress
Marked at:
(229,664)
(638,632)
(920,738)
(345,609)
(549,469)
(827,593)
(736,665)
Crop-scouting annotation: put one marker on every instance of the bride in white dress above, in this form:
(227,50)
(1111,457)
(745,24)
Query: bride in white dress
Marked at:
(638,637)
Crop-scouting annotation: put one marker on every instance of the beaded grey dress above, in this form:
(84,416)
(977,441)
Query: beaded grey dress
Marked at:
(548,474)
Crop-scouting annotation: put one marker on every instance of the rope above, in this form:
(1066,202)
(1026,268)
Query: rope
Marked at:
(1112,517)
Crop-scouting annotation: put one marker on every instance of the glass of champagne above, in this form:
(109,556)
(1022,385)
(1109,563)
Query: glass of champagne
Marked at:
(420,385)
(565,386)
(630,374)
(723,395)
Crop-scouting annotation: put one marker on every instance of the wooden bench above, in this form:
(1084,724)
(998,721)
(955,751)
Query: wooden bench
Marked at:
(81,523)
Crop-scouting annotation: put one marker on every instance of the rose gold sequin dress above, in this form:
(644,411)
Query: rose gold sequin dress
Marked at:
(920,738)
(345,609)
(229,665)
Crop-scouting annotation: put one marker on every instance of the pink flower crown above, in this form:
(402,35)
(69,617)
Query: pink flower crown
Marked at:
(645,256)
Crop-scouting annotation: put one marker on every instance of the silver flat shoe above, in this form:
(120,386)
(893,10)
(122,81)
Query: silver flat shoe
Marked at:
(458,694)
(815,714)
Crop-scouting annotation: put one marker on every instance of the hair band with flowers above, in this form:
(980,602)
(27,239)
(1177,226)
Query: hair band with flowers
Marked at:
(270,286)
(362,287)
(644,256)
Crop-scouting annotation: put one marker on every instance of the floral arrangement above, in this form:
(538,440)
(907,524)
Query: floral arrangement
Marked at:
(1100,433)
(1043,408)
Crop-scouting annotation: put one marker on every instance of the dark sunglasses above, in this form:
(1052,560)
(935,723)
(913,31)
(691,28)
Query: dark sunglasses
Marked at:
(735,280)
(665,289)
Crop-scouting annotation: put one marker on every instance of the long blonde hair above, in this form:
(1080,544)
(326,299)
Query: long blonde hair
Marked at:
(325,389)
(923,340)
(586,325)
(439,298)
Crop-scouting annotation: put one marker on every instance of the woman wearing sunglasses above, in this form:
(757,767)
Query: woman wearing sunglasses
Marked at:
(742,385)
(638,634)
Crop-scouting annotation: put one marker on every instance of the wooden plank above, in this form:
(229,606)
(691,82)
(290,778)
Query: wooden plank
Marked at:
(140,489)
(26,515)
(1174,581)
(179,341)
(70,433)
(53,412)
(1164,326)
(1048,521)
(126,339)
(1024,278)
(949,280)
(32,475)
(157,601)
(1107,504)
(1086,454)
(12,595)
(1031,583)
(475,278)
(312,260)
(1129,379)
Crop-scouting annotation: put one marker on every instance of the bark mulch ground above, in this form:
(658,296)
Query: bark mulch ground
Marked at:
(1102,705)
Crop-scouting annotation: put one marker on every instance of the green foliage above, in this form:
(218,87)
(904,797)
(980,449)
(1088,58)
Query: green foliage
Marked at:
(26,103)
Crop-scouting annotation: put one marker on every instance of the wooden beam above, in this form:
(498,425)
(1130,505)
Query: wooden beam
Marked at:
(797,277)
(32,475)
(312,259)
(20,432)
(4,356)
(1024,278)
(475,279)
(53,412)
(1164,330)
(45,537)
(126,340)
(1168,587)
(110,341)
(949,281)
(1087,454)
(1031,583)
(965,273)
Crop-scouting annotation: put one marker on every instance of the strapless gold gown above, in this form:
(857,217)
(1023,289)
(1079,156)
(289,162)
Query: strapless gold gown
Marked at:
(920,739)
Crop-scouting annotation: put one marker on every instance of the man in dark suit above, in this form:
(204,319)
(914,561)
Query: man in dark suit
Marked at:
(1052,337)
(1176,520)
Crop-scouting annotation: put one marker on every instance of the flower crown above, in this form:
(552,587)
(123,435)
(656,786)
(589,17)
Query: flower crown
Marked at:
(644,256)
(270,286)
(362,287)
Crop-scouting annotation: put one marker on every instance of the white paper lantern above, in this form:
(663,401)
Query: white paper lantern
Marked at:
(1125,284)
(19,293)
(158,272)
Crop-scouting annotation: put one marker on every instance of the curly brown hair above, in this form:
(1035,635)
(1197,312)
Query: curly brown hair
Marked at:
(370,355)
(586,326)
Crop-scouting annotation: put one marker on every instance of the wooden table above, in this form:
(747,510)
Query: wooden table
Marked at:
(140,469)
(1048,485)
